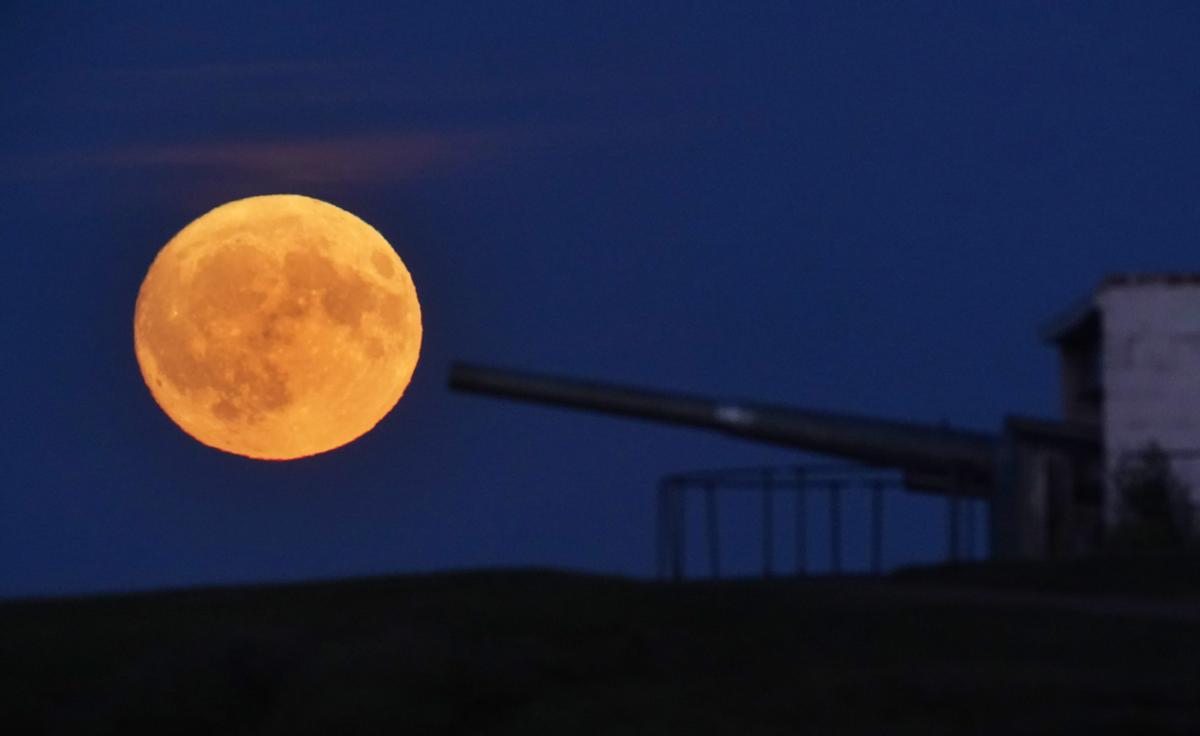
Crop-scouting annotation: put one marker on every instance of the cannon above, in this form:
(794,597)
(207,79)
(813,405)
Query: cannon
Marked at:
(1041,478)
(933,458)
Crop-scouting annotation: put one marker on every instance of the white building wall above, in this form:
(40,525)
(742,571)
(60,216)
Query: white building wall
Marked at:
(1151,368)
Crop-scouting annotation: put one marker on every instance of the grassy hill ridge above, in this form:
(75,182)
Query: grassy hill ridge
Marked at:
(499,652)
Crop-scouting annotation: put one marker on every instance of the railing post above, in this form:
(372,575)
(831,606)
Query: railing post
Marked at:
(801,531)
(952,528)
(678,493)
(970,535)
(714,548)
(835,527)
(660,534)
(877,527)
(768,521)
(953,542)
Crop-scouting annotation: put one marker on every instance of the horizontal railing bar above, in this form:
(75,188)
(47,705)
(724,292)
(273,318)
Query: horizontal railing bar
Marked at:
(782,473)
(786,486)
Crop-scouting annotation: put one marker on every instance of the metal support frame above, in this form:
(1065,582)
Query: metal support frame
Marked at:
(800,481)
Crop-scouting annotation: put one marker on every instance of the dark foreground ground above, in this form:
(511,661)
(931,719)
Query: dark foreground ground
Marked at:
(1068,649)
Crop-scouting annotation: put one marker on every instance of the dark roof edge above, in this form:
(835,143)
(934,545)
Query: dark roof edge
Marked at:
(1151,278)
(1061,325)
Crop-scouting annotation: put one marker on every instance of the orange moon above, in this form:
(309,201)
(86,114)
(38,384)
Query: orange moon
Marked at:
(277,327)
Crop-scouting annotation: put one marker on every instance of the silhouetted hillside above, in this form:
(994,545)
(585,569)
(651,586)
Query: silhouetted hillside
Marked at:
(555,653)
(1149,575)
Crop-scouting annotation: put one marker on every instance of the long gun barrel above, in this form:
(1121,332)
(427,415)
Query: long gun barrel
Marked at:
(950,457)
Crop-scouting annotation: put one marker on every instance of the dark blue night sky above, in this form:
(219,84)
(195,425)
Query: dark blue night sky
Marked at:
(866,207)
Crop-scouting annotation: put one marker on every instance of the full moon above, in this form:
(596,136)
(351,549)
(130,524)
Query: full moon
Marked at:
(277,327)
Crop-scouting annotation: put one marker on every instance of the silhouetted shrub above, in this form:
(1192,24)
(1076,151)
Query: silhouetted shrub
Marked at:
(1156,511)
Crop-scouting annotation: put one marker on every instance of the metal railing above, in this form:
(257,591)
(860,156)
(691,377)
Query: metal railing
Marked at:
(801,481)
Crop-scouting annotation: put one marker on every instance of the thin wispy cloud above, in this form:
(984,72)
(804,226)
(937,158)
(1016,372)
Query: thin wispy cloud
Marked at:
(316,109)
